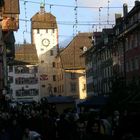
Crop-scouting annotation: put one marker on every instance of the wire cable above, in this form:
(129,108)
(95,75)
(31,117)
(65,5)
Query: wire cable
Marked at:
(108,12)
(71,6)
(88,23)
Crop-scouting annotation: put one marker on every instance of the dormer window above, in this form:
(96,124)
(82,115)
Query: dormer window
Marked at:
(84,49)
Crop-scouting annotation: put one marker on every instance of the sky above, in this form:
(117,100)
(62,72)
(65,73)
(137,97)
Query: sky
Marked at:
(89,16)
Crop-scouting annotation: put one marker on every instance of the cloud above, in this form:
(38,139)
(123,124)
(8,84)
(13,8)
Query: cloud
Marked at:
(93,3)
(104,14)
(103,3)
(117,4)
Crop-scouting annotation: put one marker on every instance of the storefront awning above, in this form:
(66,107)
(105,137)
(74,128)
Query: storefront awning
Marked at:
(94,101)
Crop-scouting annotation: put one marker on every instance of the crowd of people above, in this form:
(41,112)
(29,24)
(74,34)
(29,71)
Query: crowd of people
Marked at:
(39,121)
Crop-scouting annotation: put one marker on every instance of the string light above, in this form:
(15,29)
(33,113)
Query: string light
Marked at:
(79,22)
(71,6)
(100,17)
(85,23)
(108,12)
(94,24)
(25,9)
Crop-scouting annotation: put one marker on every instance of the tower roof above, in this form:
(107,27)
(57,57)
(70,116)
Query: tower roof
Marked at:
(11,7)
(43,21)
(26,53)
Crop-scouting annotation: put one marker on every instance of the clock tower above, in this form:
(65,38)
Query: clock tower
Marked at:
(44,34)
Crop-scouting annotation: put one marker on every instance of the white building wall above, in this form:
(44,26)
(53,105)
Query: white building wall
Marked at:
(46,59)
(50,34)
(16,87)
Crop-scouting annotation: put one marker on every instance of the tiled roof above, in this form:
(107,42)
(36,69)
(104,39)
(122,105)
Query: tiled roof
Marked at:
(26,53)
(11,7)
(71,55)
(43,21)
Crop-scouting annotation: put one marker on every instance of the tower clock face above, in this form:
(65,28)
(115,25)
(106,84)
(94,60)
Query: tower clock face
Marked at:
(45,42)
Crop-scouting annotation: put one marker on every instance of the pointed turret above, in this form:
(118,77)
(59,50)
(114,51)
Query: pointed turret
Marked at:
(42,7)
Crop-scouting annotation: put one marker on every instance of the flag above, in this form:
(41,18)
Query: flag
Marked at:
(44,77)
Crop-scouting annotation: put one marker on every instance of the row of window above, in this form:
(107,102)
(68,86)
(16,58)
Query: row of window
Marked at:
(108,71)
(23,69)
(134,19)
(47,30)
(106,87)
(54,64)
(60,77)
(97,86)
(30,92)
(105,55)
(132,41)
(132,64)
(60,89)
(30,80)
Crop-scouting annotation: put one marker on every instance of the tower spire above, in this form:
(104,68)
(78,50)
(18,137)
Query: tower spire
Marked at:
(42,7)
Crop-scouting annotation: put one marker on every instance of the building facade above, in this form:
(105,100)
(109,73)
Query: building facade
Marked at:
(23,76)
(127,34)
(99,63)
(45,37)
(115,56)
(73,66)
(9,14)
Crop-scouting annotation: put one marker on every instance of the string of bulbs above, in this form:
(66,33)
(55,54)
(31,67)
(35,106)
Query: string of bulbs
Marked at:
(75,23)
(73,6)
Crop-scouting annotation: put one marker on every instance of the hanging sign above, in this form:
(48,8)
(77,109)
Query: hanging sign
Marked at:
(43,77)
(9,23)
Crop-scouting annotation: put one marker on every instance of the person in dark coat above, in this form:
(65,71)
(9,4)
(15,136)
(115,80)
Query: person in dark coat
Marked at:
(81,130)
(4,134)
(15,130)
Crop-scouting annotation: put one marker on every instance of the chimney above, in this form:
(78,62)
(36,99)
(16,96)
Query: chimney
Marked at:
(137,3)
(125,9)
